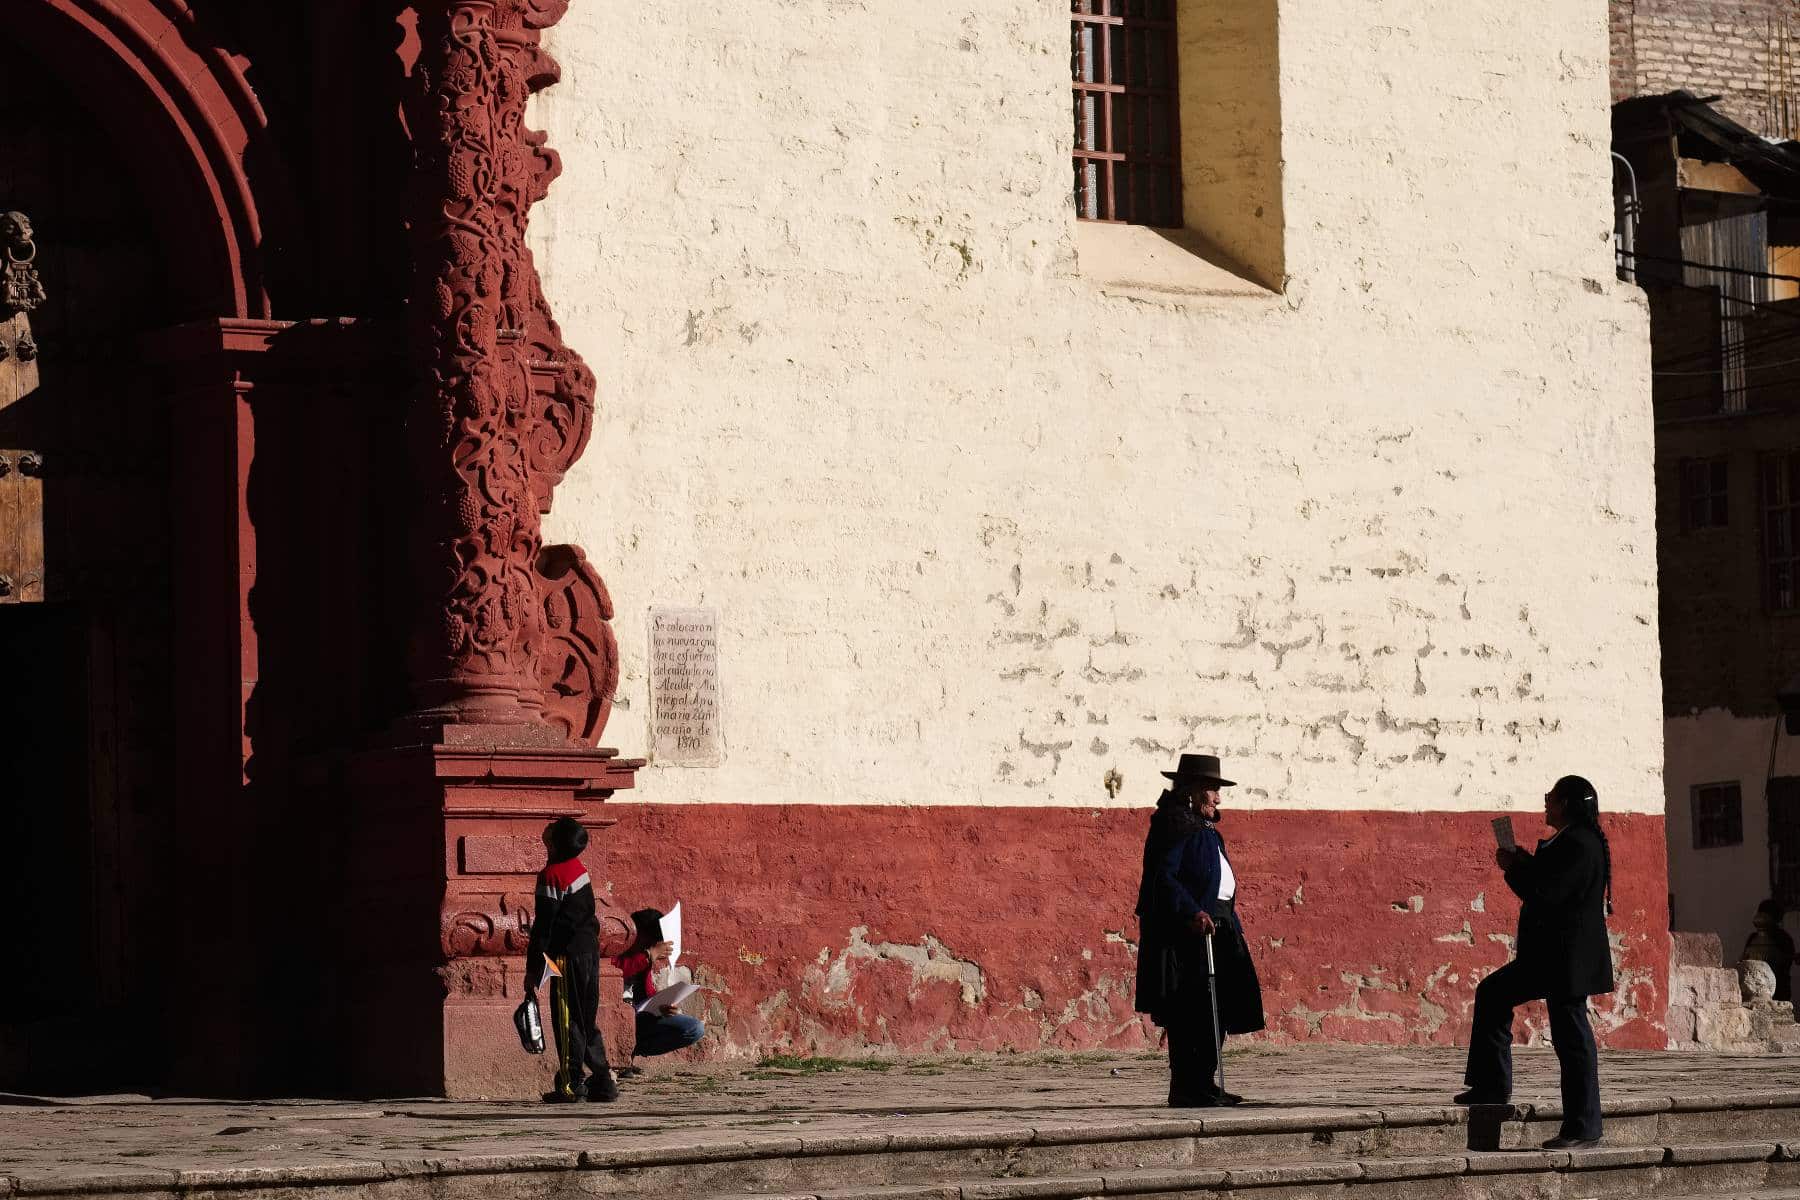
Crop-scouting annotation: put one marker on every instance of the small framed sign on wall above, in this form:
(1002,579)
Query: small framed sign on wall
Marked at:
(685,729)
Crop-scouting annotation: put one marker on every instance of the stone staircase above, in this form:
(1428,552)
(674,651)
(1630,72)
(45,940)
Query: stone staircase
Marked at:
(1372,1127)
(1699,1146)
(1730,1009)
(1745,1145)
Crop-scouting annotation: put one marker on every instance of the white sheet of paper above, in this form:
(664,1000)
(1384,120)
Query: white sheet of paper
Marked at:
(671,931)
(1503,833)
(660,1003)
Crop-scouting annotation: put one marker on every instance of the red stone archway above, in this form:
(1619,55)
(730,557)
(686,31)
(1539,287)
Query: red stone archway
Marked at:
(181,125)
(182,108)
(462,420)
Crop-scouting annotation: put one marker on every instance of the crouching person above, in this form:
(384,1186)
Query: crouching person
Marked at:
(565,933)
(658,1031)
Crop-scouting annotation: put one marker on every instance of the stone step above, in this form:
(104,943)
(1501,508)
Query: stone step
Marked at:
(1604,1173)
(1642,1134)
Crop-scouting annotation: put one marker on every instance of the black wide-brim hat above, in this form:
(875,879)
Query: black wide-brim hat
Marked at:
(1198,768)
(649,925)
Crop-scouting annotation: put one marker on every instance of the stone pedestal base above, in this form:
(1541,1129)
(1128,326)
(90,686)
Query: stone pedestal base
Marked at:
(448,842)
(1707,1005)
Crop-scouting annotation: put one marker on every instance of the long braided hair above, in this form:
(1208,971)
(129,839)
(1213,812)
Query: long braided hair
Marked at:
(1581,805)
(1173,821)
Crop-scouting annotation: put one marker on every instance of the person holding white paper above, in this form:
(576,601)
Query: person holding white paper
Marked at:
(661,1027)
(1563,957)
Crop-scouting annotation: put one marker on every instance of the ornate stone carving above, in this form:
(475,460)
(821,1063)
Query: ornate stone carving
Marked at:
(486,924)
(496,924)
(504,407)
(580,665)
(20,288)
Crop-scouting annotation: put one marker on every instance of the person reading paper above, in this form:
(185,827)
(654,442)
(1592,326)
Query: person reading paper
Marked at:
(661,1028)
(1563,958)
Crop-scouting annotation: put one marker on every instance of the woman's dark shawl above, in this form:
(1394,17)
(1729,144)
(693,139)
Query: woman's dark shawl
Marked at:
(1173,821)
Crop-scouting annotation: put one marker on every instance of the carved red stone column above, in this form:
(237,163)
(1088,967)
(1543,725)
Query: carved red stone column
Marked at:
(513,663)
(504,407)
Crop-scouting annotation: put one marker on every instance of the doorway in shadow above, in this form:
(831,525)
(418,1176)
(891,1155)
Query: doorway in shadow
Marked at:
(86,707)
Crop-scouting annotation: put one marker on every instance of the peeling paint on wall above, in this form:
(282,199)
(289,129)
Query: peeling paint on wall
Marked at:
(956,496)
(928,961)
(972,929)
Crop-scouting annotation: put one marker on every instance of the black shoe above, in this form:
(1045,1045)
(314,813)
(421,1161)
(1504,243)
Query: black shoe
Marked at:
(1183,1100)
(628,1072)
(1212,1098)
(566,1097)
(1477,1096)
(602,1091)
(1563,1141)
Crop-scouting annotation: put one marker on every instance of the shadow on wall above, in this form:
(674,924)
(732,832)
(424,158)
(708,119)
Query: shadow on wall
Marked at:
(1230,78)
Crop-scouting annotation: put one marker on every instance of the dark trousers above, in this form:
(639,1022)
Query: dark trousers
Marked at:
(1193,1058)
(574,1015)
(1193,1045)
(666,1033)
(1490,1046)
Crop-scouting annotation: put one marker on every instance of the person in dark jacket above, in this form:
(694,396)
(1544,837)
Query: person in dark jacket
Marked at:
(565,932)
(1188,893)
(1562,958)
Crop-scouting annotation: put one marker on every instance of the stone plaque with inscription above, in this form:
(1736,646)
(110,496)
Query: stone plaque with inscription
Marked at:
(684,687)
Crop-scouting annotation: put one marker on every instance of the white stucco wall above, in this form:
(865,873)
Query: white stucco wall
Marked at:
(980,531)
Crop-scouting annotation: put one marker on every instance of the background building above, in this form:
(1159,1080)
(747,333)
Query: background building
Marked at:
(1706,107)
(937,518)
(1743,52)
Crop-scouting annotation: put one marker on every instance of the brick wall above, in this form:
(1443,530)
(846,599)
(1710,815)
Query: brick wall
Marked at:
(1709,47)
(1620,29)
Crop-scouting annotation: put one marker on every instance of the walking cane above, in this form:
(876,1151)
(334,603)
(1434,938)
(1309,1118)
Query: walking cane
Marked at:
(1212,987)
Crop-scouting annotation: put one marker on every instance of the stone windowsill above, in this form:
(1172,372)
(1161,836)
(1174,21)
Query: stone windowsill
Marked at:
(1163,264)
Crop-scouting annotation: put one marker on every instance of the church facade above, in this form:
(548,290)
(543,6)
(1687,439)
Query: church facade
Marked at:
(896,433)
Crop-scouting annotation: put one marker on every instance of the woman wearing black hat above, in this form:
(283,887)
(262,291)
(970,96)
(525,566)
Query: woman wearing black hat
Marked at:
(1562,959)
(1187,894)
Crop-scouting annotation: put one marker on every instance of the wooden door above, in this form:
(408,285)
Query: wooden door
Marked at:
(21,467)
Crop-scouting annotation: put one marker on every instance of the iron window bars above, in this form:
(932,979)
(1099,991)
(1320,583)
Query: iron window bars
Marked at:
(1122,57)
(1705,493)
(1781,531)
(1718,811)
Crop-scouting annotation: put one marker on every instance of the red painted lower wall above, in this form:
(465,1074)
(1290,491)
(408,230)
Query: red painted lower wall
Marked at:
(837,930)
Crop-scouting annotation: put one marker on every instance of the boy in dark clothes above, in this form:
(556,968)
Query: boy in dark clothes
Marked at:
(565,930)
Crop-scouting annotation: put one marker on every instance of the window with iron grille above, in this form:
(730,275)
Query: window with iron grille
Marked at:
(1781,531)
(1718,815)
(1704,484)
(1127,141)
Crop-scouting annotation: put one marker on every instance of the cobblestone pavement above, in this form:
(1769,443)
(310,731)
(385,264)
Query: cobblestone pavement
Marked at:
(718,1104)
